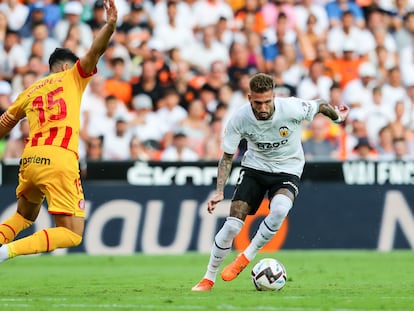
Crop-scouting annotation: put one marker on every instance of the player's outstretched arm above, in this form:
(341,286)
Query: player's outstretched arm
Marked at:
(99,45)
(223,172)
(7,122)
(337,114)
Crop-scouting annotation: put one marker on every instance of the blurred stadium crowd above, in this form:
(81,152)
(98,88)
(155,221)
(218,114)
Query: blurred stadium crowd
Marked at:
(176,69)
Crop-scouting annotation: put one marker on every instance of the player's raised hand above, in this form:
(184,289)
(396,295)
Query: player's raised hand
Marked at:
(100,43)
(342,110)
(211,205)
(111,11)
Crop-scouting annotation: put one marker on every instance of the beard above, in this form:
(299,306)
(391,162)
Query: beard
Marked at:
(265,115)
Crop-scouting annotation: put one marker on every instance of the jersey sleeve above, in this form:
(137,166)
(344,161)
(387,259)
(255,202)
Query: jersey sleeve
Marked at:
(310,109)
(297,108)
(81,76)
(16,111)
(231,138)
(84,74)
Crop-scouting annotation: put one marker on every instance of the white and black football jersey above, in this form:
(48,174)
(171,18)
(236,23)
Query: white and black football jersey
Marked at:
(273,145)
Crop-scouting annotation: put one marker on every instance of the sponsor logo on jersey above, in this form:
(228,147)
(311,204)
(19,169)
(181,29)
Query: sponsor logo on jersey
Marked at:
(283,131)
(266,146)
(35,160)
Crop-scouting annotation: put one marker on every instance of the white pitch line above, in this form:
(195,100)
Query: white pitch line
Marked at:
(190,307)
(268,308)
(127,306)
(27,303)
(31,299)
(156,307)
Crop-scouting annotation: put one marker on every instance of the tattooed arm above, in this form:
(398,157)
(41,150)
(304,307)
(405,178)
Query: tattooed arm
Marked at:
(223,172)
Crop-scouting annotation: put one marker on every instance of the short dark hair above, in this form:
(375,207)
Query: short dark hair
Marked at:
(10,31)
(61,55)
(171,2)
(261,83)
(110,97)
(117,60)
(99,138)
(335,85)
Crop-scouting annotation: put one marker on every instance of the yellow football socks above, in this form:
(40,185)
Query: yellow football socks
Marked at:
(12,226)
(44,241)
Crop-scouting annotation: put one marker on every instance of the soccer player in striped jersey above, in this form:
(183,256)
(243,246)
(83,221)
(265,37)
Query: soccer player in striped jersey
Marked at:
(49,166)
(272,166)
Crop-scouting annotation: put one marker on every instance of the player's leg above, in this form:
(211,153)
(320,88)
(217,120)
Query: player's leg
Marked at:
(237,266)
(66,203)
(280,206)
(29,201)
(223,240)
(66,234)
(60,183)
(222,245)
(281,188)
(249,193)
(23,218)
(246,189)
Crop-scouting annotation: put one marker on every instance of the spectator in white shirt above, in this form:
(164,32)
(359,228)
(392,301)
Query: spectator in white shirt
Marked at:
(377,115)
(145,124)
(304,9)
(40,34)
(357,93)
(99,123)
(15,12)
(172,34)
(72,16)
(179,150)
(394,91)
(116,143)
(13,59)
(316,85)
(185,16)
(170,114)
(204,52)
(208,12)
(348,30)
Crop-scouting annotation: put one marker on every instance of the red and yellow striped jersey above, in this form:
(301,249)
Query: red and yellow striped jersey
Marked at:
(52,106)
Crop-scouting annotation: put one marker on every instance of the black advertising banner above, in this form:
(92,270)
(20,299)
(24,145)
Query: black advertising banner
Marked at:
(162,210)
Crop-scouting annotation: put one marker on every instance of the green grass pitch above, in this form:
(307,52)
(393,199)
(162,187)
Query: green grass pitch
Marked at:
(317,280)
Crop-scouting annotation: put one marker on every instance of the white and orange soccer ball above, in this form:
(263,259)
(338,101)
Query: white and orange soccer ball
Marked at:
(269,274)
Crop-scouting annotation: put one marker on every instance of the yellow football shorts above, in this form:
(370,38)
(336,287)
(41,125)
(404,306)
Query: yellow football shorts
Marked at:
(52,172)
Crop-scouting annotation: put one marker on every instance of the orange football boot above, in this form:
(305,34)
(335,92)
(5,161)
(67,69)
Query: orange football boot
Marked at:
(231,271)
(203,285)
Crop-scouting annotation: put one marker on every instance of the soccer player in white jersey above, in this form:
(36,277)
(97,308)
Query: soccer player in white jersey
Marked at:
(272,165)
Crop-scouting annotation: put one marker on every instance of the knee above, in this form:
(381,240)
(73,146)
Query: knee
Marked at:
(279,212)
(233,225)
(279,208)
(77,240)
(72,239)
